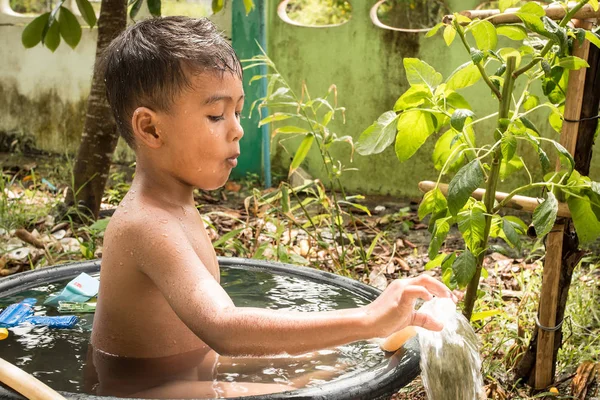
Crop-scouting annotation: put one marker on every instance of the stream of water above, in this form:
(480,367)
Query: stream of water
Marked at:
(450,361)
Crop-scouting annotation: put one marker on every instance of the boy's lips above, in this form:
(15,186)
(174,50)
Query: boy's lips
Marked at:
(233,160)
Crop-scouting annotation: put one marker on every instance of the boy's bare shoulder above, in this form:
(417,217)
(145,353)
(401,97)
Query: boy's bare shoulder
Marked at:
(142,224)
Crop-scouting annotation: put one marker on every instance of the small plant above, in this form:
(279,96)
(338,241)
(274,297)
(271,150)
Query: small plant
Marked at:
(309,118)
(432,105)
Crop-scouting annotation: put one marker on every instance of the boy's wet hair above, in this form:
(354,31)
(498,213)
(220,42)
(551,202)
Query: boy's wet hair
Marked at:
(150,63)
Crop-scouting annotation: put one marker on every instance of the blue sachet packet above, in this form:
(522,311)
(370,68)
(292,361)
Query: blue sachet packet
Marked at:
(79,290)
(14,314)
(64,321)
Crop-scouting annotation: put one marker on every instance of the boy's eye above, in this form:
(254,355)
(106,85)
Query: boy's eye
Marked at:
(216,118)
(238,115)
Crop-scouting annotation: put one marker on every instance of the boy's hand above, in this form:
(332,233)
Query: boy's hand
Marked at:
(394,309)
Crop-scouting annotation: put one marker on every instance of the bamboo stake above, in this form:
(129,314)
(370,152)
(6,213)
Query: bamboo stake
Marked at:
(544,363)
(509,16)
(522,203)
(26,384)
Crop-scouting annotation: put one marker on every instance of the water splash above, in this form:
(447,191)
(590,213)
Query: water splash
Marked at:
(450,362)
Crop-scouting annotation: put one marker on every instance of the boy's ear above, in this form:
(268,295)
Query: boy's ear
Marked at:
(144,126)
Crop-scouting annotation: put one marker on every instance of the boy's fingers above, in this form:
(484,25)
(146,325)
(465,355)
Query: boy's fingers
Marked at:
(426,321)
(412,293)
(433,285)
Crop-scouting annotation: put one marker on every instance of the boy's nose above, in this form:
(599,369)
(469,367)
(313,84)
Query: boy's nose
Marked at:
(237,131)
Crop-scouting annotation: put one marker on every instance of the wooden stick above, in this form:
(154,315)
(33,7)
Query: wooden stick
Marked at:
(522,203)
(544,361)
(509,16)
(26,384)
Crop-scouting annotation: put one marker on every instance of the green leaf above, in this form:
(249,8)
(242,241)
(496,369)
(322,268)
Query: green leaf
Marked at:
(511,234)
(301,152)
(87,12)
(52,38)
(485,35)
(456,100)
(419,72)
(135,8)
(594,4)
(32,34)
(509,167)
(593,38)
(440,231)
(532,8)
(100,225)
(434,30)
(503,5)
(227,237)
(446,146)
(249,6)
(585,220)
(544,160)
(530,102)
(471,224)
(464,268)
(466,180)
(378,136)
(529,125)
(514,32)
(565,153)
(436,262)
(449,34)
(217,5)
(573,62)
(433,202)
(70,30)
(533,22)
(464,76)
(290,129)
(544,215)
(414,127)
(481,315)
(555,119)
(508,147)
(413,97)
(458,118)
(154,7)
(275,117)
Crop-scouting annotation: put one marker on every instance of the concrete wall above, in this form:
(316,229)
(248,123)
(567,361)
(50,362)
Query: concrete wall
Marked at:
(365,63)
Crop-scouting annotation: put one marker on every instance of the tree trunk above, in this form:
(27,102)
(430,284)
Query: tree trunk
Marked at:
(99,138)
(571,254)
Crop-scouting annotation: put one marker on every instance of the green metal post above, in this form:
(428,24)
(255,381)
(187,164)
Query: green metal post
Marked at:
(248,31)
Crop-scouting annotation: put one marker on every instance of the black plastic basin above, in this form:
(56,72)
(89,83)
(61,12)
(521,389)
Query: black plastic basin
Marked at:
(378,382)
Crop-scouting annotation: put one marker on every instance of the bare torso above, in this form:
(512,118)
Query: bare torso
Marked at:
(133,318)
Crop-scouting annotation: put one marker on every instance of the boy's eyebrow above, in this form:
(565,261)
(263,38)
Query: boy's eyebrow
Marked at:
(218,97)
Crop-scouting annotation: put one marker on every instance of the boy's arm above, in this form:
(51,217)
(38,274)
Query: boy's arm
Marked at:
(205,307)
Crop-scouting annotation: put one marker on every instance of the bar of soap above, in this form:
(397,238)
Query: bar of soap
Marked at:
(397,340)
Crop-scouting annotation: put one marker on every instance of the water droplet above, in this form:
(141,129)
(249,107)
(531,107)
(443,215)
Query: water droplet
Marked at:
(165,235)
(163,221)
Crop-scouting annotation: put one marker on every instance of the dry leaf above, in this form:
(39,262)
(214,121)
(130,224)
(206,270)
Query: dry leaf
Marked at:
(586,373)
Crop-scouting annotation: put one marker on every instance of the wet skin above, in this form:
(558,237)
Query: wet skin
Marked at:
(160,295)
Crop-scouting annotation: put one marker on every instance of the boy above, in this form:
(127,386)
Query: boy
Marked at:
(174,85)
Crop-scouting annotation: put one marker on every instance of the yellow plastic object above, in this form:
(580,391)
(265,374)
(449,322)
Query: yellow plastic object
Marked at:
(397,340)
(3,333)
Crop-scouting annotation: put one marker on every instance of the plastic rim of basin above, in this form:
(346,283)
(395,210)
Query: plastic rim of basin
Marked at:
(379,382)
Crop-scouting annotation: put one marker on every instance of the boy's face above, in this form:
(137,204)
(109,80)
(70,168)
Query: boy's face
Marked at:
(202,130)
